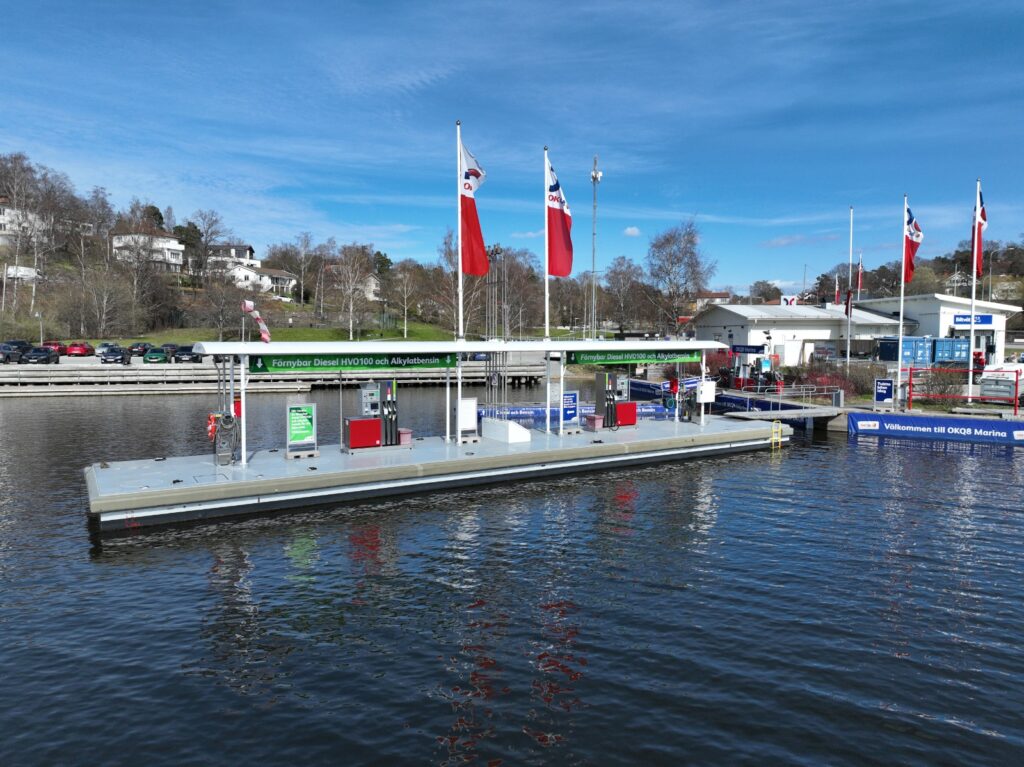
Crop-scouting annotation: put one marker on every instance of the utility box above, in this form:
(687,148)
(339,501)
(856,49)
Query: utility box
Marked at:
(361,433)
(706,392)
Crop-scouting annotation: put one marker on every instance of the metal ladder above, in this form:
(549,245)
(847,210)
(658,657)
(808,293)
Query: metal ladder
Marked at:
(776,439)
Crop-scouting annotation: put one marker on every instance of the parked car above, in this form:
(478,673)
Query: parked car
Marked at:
(169,349)
(57,346)
(80,349)
(103,346)
(23,346)
(139,348)
(156,354)
(40,355)
(9,353)
(116,355)
(186,354)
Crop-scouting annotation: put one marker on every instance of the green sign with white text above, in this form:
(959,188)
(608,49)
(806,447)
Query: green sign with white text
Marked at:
(269,363)
(638,357)
(301,424)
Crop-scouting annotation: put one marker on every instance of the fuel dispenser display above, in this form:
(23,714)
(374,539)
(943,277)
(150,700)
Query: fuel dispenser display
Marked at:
(369,400)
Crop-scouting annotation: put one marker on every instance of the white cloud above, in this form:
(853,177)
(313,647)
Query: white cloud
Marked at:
(631,231)
(528,235)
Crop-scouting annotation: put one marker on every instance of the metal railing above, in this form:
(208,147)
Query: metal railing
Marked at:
(806,394)
(930,388)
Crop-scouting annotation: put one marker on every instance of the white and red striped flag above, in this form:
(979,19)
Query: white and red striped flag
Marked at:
(559,225)
(860,274)
(471,176)
(837,289)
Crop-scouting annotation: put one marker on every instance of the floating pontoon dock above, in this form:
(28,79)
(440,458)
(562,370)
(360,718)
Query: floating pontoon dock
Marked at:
(158,491)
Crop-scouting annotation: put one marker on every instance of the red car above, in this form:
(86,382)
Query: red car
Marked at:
(57,346)
(80,349)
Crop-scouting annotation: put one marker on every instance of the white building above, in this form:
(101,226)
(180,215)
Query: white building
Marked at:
(942,316)
(250,275)
(233,253)
(791,332)
(160,247)
(14,222)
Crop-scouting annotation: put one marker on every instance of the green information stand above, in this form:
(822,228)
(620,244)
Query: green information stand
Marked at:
(301,429)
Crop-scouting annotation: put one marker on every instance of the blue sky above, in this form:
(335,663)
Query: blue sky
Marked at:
(764,121)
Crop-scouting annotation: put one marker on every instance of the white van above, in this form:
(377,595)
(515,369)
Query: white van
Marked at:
(1003,380)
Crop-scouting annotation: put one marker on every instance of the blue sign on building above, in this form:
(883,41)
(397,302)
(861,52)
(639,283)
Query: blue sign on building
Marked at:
(747,349)
(979,319)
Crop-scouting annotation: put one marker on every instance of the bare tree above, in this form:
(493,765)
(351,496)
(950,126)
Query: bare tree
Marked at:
(18,183)
(404,289)
(621,280)
(303,256)
(212,232)
(347,280)
(473,288)
(223,301)
(677,271)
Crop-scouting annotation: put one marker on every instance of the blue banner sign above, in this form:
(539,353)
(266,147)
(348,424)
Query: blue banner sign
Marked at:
(745,349)
(570,406)
(937,428)
(883,391)
(965,319)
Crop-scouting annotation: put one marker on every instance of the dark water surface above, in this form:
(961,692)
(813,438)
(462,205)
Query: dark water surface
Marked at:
(845,603)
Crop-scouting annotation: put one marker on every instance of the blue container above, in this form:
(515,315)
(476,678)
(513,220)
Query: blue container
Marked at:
(950,349)
(917,351)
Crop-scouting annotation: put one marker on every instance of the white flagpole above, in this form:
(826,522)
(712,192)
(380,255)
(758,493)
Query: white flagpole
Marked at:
(849,287)
(974,288)
(903,275)
(547,317)
(458,209)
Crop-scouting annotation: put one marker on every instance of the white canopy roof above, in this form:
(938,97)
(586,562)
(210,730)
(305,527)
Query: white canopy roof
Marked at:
(284,348)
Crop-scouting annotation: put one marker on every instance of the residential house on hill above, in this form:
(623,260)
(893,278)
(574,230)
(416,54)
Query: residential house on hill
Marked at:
(161,248)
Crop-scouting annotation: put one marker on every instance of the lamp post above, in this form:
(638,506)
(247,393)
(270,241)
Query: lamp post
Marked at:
(595,179)
(39,316)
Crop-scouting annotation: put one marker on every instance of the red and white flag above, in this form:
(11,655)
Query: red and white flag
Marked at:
(559,225)
(471,176)
(980,225)
(912,238)
(837,289)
